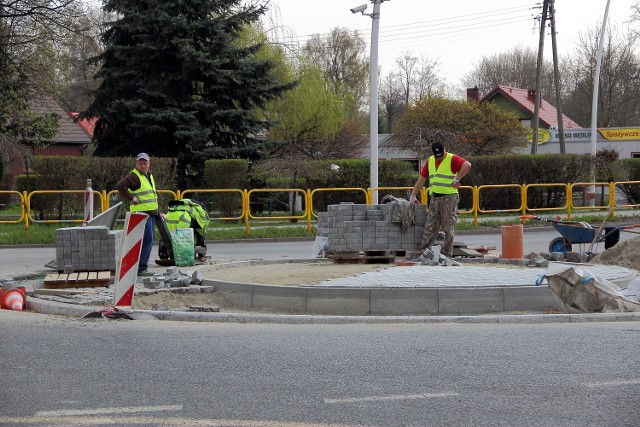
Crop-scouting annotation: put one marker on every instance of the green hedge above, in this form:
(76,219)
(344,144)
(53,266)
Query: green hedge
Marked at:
(72,172)
(221,174)
(55,173)
(632,166)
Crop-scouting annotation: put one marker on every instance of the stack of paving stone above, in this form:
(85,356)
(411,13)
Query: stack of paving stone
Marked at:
(91,248)
(354,227)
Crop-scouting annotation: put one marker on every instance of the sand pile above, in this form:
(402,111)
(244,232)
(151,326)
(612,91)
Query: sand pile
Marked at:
(625,254)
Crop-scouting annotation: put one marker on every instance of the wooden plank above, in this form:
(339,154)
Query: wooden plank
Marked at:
(78,280)
(55,278)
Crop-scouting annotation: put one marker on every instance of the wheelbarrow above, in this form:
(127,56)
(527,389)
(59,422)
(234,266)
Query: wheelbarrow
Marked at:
(579,232)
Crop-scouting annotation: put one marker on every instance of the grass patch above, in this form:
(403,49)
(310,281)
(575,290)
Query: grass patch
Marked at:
(15,234)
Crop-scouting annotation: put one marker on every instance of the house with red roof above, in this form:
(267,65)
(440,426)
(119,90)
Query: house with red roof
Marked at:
(88,125)
(522,102)
(624,140)
(70,140)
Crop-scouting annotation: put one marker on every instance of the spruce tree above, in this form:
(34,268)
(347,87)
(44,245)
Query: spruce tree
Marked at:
(176,82)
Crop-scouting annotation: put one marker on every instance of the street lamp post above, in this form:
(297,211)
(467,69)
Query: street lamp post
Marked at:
(373,94)
(594,100)
(596,82)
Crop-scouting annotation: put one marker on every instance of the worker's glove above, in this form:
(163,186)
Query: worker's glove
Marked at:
(455,183)
(135,200)
(413,200)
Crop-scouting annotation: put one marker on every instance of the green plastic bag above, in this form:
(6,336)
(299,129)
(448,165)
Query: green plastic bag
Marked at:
(182,241)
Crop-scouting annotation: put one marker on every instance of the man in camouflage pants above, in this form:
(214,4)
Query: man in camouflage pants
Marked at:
(444,170)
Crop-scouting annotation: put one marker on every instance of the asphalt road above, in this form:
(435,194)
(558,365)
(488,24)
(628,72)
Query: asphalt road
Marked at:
(73,372)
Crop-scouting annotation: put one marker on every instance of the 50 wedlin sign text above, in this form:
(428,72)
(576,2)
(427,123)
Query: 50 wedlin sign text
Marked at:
(584,135)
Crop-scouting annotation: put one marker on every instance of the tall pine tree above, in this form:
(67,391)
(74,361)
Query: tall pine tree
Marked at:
(177,82)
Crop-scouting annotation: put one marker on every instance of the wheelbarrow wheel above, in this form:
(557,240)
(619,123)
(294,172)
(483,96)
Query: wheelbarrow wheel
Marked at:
(560,245)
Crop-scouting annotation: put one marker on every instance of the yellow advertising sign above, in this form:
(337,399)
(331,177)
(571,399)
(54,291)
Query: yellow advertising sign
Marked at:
(543,136)
(620,134)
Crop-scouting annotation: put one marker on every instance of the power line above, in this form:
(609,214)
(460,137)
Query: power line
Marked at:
(439,26)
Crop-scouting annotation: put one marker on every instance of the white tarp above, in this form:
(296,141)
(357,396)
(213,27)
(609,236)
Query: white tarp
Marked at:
(579,291)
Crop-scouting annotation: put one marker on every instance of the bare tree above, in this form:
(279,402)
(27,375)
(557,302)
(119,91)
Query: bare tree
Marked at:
(418,77)
(75,72)
(391,100)
(406,71)
(516,68)
(342,58)
(428,82)
(619,76)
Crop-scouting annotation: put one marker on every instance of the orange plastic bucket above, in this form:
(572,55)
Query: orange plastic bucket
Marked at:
(512,247)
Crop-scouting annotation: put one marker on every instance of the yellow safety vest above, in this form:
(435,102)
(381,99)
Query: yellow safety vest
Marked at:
(441,180)
(146,194)
(179,218)
(182,212)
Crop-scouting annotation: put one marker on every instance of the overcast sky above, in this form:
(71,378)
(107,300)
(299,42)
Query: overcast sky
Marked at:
(456,33)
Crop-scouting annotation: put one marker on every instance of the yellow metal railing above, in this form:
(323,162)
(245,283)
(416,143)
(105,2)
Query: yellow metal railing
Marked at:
(589,197)
(519,208)
(23,207)
(566,206)
(613,202)
(577,198)
(61,200)
(293,193)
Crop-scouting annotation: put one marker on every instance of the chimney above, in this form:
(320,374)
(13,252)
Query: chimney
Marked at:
(531,93)
(473,94)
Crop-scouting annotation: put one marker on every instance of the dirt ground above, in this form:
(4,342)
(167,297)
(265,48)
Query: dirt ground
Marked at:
(284,274)
(289,274)
(625,254)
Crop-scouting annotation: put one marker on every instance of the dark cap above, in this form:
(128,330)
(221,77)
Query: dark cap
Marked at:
(143,156)
(438,149)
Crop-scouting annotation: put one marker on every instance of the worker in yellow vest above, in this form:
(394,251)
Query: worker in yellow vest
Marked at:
(139,188)
(444,170)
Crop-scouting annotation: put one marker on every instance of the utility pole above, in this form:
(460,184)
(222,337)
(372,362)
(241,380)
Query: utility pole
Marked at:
(556,77)
(548,7)
(538,95)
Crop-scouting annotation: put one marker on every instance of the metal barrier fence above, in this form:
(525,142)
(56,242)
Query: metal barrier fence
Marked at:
(569,199)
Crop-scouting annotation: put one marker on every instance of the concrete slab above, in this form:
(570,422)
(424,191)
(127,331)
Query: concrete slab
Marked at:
(404,301)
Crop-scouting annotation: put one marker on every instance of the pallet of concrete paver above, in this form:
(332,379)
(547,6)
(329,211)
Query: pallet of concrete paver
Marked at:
(362,257)
(84,279)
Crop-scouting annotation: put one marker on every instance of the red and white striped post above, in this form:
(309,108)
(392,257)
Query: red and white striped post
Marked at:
(88,203)
(127,269)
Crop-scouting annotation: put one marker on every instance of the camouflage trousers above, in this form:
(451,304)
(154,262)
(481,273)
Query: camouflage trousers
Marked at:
(442,215)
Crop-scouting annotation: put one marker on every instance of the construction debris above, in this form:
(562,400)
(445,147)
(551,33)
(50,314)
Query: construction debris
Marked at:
(434,257)
(172,278)
(580,291)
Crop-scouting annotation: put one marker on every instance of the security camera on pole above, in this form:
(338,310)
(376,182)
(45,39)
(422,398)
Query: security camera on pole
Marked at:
(373,93)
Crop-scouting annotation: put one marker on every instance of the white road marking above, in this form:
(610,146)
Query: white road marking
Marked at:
(101,411)
(612,383)
(391,397)
(164,421)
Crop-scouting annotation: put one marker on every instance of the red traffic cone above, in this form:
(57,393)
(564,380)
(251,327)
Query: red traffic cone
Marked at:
(13,299)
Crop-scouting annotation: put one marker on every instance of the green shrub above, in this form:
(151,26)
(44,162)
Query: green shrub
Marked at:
(222,174)
(631,191)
